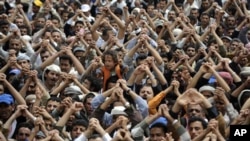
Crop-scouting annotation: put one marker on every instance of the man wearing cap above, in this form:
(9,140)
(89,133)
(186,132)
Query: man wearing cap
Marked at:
(79,52)
(86,11)
(6,109)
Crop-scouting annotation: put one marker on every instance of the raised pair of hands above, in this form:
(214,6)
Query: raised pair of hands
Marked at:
(190,96)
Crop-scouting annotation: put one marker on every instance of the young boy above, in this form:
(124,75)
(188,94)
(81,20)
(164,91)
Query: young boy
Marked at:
(111,67)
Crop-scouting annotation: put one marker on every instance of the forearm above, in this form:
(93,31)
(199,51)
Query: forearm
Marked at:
(20,100)
(25,87)
(62,121)
(159,75)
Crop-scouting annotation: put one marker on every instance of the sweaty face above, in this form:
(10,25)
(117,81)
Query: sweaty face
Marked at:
(195,129)
(109,62)
(156,134)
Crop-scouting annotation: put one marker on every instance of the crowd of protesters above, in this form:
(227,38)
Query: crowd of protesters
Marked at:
(123,70)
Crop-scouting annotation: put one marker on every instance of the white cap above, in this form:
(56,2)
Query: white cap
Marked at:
(85,8)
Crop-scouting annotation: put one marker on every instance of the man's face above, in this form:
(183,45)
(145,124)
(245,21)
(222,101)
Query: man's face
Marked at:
(194,110)
(233,45)
(19,21)
(205,4)
(150,9)
(24,31)
(171,15)
(78,26)
(40,21)
(79,54)
(156,134)
(65,16)
(205,20)
(65,65)
(45,56)
(51,77)
(77,130)
(48,124)
(51,106)
(24,63)
(5,29)
(226,42)
(146,93)
(31,88)
(6,111)
(231,21)
(86,83)
(56,23)
(190,52)
(194,12)
(15,44)
(142,50)
(56,36)
(23,134)
(195,129)
(88,38)
(88,106)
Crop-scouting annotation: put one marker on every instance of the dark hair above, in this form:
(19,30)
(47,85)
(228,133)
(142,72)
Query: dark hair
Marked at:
(57,99)
(118,11)
(140,57)
(79,22)
(25,27)
(95,136)
(194,119)
(112,53)
(111,79)
(159,125)
(105,31)
(95,83)
(66,57)
(80,122)
(21,125)
(89,95)
(4,22)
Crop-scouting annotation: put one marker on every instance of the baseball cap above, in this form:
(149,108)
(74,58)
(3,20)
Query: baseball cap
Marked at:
(161,120)
(6,98)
